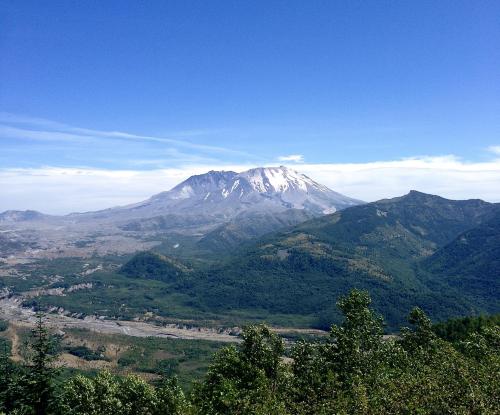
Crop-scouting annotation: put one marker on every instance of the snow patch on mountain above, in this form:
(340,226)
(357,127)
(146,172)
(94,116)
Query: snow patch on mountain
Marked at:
(185,193)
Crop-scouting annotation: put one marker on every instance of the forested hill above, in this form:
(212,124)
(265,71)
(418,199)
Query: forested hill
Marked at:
(398,248)
(471,264)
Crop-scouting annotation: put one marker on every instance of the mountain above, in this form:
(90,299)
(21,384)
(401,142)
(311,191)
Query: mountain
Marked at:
(380,246)
(215,211)
(249,226)
(225,208)
(389,231)
(226,194)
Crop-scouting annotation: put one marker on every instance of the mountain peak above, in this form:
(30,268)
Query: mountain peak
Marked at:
(416,196)
(413,194)
(259,189)
(278,179)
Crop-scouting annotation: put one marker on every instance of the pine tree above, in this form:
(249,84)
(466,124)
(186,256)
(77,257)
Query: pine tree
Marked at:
(41,373)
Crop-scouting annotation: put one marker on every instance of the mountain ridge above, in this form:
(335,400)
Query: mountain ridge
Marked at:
(379,246)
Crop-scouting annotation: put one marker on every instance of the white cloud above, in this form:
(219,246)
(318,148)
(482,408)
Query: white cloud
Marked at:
(64,190)
(446,176)
(494,150)
(295,158)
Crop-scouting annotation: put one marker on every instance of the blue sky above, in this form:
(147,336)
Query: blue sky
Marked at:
(180,86)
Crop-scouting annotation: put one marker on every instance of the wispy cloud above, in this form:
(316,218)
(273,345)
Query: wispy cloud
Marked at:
(294,158)
(63,190)
(170,156)
(7,131)
(48,130)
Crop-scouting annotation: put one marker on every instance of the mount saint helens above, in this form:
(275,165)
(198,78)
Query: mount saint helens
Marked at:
(220,208)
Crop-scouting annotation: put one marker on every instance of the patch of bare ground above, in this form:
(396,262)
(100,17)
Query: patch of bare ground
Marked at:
(11,334)
(75,362)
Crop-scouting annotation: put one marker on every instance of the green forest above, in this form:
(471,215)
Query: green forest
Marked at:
(450,368)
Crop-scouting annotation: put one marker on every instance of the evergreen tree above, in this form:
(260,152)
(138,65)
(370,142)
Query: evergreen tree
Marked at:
(41,372)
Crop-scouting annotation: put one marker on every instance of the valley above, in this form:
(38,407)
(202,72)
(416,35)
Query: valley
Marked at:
(11,310)
(270,252)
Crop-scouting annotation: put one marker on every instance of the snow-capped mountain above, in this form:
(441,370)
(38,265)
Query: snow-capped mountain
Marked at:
(221,195)
(217,194)
(215,209)
(261,189)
